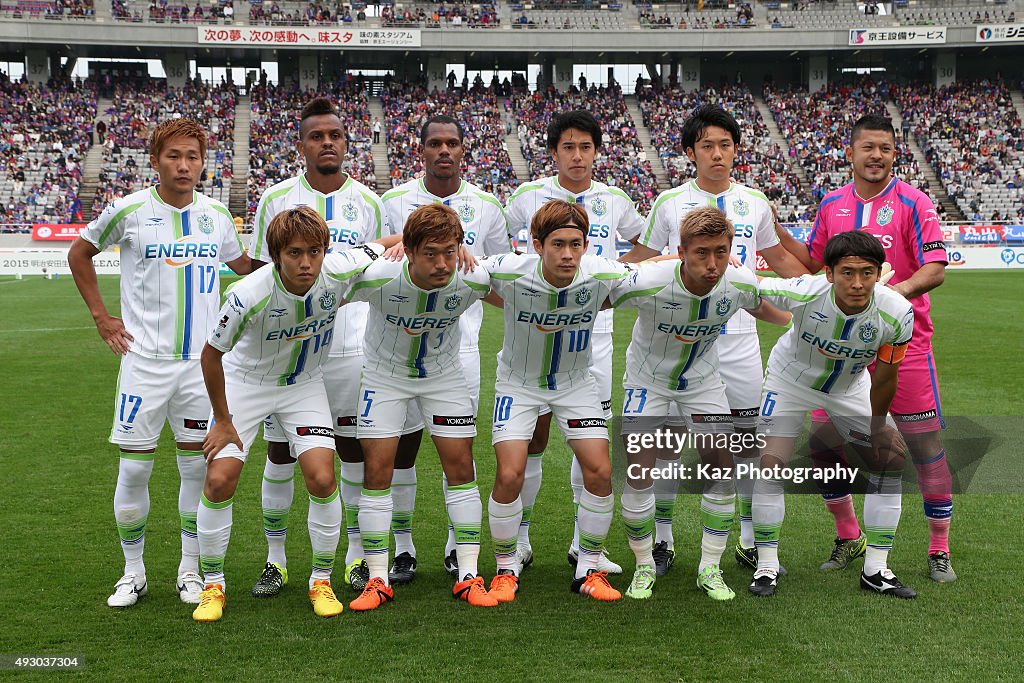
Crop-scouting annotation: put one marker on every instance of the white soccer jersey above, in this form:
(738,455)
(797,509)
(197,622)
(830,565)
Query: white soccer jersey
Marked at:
(170,265)
(354,216)
(610,210)
(413,332)
(827,350)
(749,211)
(547,330)
(273,337)
(675,329)
(483,221)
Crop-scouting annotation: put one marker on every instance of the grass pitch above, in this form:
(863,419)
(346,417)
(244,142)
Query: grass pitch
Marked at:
(62,556)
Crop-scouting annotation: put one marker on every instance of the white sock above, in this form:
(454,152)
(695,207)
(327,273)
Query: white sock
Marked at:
(665,492)
(131,508)
(717,509)
(745,493)
(324,524)
(351,491)
(595,514)
(192,470)
(638,517)
(213,523)
(465,511)
(769,510)
(881,517)
(375,509)
(278,492)
(576,483)
(503,519)
(531,487)
(403,492)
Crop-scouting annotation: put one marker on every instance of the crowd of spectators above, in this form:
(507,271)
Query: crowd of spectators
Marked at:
(971,134)
(486,162)
(315,14)
(759,163)
(441,15)
(817,127)
(175,11)
(274,132)
(44,135)
(125,166)
(621,162)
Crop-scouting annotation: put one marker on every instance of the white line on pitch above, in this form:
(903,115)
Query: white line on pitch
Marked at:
(46,329)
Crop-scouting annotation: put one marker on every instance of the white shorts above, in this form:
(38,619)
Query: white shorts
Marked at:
(601,353)
(703,409)
(471,370)
(151,392)
(301,411)
(739,363)
(341,378)
(577,411)
(385,403)
(785,405)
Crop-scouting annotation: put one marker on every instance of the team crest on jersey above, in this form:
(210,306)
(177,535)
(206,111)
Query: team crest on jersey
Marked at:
(867,333)
(741,207)
(723,305)
(884,215)
(453,302)
(466,213)
(349,211)
(327,301)
(599,207)
(583,296)
(205,224)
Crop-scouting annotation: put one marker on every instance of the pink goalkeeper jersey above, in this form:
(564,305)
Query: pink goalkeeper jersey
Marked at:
(904,219)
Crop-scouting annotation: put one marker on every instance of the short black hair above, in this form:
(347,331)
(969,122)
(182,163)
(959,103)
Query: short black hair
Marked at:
(580,120)
(442,119)
(702,118)
(873,122)
(318,106)
(855,243)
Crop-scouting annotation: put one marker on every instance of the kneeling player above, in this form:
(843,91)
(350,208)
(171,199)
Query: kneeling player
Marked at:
(264,359)
(683,307)
(551,301)
(412,357)
(841,323)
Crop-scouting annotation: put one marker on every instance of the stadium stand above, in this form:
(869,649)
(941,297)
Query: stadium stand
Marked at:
(761,164)
(273,133)
(486,162)
(135,110)
(972,136)
(621,162)
(44,136)
(817,127)
(173,11)
(955,16)
(48,9)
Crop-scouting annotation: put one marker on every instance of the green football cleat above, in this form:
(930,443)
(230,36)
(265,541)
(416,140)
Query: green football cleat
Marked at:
(357,574)
(642,585)
(844,553)
(271,581)
(711,582)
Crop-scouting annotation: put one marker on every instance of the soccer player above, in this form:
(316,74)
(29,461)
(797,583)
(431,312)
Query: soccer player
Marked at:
(264,358)
(415,307)
(683,307)
(904,220)
(486,233)
(172,241)
(573,140)
(841,323)
(551,301)
(354,216)
(711,138)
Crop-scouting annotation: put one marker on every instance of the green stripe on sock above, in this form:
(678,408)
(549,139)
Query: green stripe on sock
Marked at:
(640,528)
(188,454)
(590,542)
(504,546)
(188,522)
(323,561)
(275,520)
(468,486)
(373,492)
(467,533)
(352,516)
(375,541)
(664,509)
(767,532)
(132,531)
(527,514)
(211,565)
(880,537)
(137,456)
(401,521)
(329,499)
(207,503)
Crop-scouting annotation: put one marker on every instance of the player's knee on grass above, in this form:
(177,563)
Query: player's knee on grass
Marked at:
(539,440)
(279,453)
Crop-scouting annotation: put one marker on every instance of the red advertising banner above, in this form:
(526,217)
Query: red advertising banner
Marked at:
(56,232)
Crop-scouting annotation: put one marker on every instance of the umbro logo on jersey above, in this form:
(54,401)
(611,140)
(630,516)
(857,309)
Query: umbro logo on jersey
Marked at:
(398,299)
(843,213)
(315,431)
(278,312)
